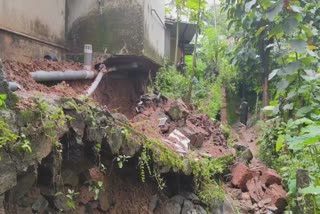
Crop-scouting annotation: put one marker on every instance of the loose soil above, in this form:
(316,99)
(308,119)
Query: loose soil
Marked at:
(119,95)
(20,72)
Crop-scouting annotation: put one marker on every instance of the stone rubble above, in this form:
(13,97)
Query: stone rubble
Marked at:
(179,127)
(260,189)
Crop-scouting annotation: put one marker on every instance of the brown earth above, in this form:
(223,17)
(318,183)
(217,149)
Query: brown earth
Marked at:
(119,95)
(123,195)
(20,72)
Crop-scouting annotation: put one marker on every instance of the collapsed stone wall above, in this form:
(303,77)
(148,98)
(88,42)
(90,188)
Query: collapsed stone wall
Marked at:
(64,146)
(71,155)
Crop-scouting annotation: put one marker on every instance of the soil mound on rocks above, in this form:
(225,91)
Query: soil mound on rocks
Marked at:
(119,95)
(20,72)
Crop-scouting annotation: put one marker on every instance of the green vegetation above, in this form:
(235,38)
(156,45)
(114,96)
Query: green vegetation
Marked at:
(96,187)
(3,98)
(269,54)
(121,159)
(6,135)
(277,50)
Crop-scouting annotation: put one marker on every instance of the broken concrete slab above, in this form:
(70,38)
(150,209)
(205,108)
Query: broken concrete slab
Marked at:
(179,141)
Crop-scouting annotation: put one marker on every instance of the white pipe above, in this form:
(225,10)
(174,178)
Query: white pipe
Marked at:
(104,70)
(47,76)
(13,86)
(95,84)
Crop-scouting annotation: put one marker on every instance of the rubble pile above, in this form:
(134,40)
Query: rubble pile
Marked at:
(258,189)
(178,127)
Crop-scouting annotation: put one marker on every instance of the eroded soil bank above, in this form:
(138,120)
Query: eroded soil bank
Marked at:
(64,152)
(71,163)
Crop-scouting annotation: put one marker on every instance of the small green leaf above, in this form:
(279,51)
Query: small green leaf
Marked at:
(292,67)
(260,30)
(303,121)
(313,54)
(299,45)
(100,183)
(3,96)
(291,94)
(315,116)
(96,194)
(268,110)
(292,184)
(283,85)
(290,25)
(288,106)
(314,190)
(296,9)
(273,74)
(120,164)
(249,5)
(303,111)
(279,144)
(276,31)
(71,204)
(274,10)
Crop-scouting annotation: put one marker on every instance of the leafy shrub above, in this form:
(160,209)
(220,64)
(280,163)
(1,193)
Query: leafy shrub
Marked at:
(206,95)
(171,83)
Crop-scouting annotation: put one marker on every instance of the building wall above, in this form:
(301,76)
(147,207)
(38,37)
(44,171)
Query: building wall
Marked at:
(79,8)
(168,44)
(44,20)
(125,27)
(13,47)
(115,27)
(154,29)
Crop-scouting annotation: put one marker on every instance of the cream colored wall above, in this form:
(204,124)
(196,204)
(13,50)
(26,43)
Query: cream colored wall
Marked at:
(154,28)
(44,19)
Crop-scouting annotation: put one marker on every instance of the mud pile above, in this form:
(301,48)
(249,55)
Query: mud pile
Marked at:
(119,95)
(20,72)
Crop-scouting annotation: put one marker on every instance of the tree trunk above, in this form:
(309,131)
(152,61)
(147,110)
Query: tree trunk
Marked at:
(224,111)
(265,61)
(266,65)
(194,56)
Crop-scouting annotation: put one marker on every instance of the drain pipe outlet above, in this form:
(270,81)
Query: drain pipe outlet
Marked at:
(13,86)
(47,76)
